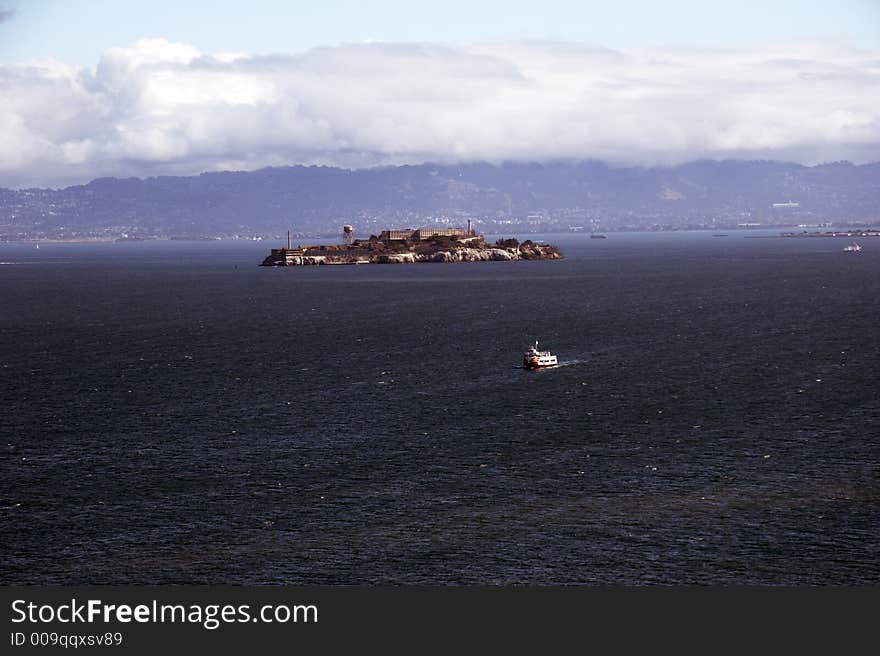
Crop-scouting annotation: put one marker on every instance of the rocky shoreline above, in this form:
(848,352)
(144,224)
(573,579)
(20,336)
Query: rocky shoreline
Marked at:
(373,251)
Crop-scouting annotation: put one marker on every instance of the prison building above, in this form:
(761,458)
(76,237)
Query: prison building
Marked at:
(406,234)
(421,234)
(427,233)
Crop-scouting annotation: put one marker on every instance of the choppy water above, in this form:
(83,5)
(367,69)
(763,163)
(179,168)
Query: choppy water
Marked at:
(174,413)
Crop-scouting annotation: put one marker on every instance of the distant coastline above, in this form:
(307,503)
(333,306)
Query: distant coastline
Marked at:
(845,231)
(835,233)
(509,198)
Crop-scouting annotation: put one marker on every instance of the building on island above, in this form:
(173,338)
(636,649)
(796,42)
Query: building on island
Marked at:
(406,234)
(421,234)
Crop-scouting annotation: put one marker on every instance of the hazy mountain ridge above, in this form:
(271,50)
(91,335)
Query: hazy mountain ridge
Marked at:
(314,199)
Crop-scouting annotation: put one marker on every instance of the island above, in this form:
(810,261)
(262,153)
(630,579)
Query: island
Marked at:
(406,246)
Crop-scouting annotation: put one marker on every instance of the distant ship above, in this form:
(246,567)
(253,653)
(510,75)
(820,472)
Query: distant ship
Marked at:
(598,237)
(853,248)
(534,359)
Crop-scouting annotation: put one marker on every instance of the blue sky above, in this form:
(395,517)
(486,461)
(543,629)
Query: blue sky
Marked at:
(78,31)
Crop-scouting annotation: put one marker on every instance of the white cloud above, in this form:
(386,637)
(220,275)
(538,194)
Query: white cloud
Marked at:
(165,108)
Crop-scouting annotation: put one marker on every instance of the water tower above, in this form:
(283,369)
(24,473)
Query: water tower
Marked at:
(347,233)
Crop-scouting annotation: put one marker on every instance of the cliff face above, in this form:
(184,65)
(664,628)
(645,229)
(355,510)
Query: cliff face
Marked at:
(470,251)
(495,254)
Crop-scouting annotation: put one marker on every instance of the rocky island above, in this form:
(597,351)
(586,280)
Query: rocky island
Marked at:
(411,246)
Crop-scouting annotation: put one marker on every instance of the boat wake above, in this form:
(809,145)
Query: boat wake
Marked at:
(561,363)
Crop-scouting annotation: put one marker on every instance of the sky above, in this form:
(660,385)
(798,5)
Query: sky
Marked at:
(117,87)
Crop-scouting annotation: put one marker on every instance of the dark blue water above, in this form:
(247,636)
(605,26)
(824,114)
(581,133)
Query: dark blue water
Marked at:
(171,412)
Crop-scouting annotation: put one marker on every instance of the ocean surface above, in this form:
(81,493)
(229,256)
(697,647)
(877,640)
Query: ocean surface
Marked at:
(173,413)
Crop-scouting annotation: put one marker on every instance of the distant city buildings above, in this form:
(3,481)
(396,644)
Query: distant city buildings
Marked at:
(503,200)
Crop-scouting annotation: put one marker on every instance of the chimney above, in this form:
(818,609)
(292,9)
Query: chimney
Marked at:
(288,240)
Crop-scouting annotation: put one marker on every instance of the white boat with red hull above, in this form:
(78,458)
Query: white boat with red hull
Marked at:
(535,359)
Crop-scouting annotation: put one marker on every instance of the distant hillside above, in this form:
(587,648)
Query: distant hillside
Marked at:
(525,197)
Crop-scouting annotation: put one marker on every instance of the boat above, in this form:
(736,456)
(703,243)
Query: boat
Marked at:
(535,359)
(853,248)
(595,236)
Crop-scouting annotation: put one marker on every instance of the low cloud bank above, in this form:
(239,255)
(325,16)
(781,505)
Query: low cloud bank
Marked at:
(165,108)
